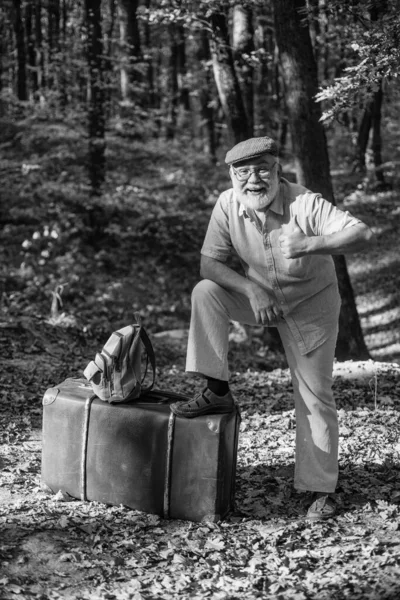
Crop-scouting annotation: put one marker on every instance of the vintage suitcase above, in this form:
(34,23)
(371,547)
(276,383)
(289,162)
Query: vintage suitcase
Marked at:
(138,454)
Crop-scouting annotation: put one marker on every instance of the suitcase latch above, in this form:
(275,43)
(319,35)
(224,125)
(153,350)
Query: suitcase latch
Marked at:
(50,395)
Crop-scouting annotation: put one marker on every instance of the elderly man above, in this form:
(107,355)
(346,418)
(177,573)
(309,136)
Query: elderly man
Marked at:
(284,236)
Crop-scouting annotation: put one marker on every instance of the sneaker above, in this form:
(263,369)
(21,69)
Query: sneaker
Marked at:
(323,507)
(205,403)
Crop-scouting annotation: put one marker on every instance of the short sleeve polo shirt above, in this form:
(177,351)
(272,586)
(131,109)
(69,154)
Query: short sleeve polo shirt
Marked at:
(305,287)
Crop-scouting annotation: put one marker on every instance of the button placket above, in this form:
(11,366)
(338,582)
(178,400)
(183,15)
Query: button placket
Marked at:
(271,269)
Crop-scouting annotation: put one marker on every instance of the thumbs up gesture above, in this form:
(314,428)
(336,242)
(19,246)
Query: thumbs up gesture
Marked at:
(292,241)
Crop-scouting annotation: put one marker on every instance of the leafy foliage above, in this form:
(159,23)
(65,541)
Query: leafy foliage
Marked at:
(373,56)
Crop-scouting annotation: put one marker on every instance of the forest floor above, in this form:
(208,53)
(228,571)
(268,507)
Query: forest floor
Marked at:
(137,248)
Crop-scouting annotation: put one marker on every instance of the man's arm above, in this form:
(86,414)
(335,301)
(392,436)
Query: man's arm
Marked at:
(295,244)
(263,303)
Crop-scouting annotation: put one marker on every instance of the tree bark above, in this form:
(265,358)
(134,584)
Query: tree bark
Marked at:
(362,138)
(372,116)
(226,79)
(39,45)
(310,148)
(22,87)
(29,15)
(172,99)
(53,43)
(130,48)
(108,56)
(376,135)
(152,99)
(63,82)
(243,44)
(206,126)
(96,108)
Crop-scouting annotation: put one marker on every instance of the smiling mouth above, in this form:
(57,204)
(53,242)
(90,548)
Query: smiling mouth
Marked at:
(259,190)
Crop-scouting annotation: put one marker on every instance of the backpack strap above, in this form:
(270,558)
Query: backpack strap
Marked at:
(150,358)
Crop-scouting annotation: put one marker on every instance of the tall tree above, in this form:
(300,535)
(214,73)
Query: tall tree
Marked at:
(130,45)
(243,46)
(30,38)
(108,55)
(226,79)
(371,119)
(40,64)
(22,85)
(172,96)
(53,42)
(152,101)
(96,108)
(207,121)
(63,91)
(299,71)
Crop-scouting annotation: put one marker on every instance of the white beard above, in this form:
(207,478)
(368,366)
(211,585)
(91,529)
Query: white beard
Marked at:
(259,201)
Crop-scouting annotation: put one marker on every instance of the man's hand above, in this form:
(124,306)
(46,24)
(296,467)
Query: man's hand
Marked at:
(266,309)
(292,241)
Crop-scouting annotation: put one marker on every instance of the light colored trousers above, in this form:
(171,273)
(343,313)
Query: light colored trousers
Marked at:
(213,307)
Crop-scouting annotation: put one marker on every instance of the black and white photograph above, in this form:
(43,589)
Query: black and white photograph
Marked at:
(199,300)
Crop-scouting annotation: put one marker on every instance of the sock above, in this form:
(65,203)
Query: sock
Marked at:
(217,386)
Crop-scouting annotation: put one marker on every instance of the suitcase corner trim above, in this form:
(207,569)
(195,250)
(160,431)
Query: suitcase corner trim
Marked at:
(50,395)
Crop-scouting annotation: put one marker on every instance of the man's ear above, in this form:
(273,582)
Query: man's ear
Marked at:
(279,170)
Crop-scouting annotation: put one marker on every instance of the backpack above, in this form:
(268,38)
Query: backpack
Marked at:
(115,373)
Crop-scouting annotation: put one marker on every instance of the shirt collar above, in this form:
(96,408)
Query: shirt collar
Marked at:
(276,206)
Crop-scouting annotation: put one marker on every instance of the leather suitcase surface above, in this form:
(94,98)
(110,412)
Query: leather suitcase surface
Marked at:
(138,453)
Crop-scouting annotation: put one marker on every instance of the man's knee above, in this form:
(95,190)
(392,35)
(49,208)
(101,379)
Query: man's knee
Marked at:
(206,289)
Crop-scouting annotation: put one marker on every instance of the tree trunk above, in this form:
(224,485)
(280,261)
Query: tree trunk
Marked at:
(243,44)
(22,87)
(96,108)
(362,138)
(172,98)
(39,46)
(108,56)
(226,79)
(372,115)
(131,49)
(53,43)
(376,135)
(152,101)
(313,19)
(310,147)
(63,83)
(207,123)
(183,90)
(264,73)
(31,47)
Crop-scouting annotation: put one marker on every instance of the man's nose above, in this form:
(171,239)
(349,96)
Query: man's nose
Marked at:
(256,175)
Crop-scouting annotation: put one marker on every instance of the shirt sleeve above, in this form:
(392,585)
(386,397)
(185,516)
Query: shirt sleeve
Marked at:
(217,242)
(323,218)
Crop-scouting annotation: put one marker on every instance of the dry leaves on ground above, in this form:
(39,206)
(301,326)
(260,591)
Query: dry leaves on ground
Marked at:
(56,547)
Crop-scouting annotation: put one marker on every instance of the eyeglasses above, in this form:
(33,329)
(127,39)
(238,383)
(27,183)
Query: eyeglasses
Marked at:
(244,173)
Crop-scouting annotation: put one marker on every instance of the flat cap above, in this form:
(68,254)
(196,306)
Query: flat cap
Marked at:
(251,148)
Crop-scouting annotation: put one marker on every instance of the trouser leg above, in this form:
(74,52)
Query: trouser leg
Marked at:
(316,467)
(212,309)
(316,417)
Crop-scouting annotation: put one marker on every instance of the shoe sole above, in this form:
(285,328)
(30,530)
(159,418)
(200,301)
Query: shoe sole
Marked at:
(217,410)
(319,517)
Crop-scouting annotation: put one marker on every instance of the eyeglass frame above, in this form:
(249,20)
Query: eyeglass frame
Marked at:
(253,171)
